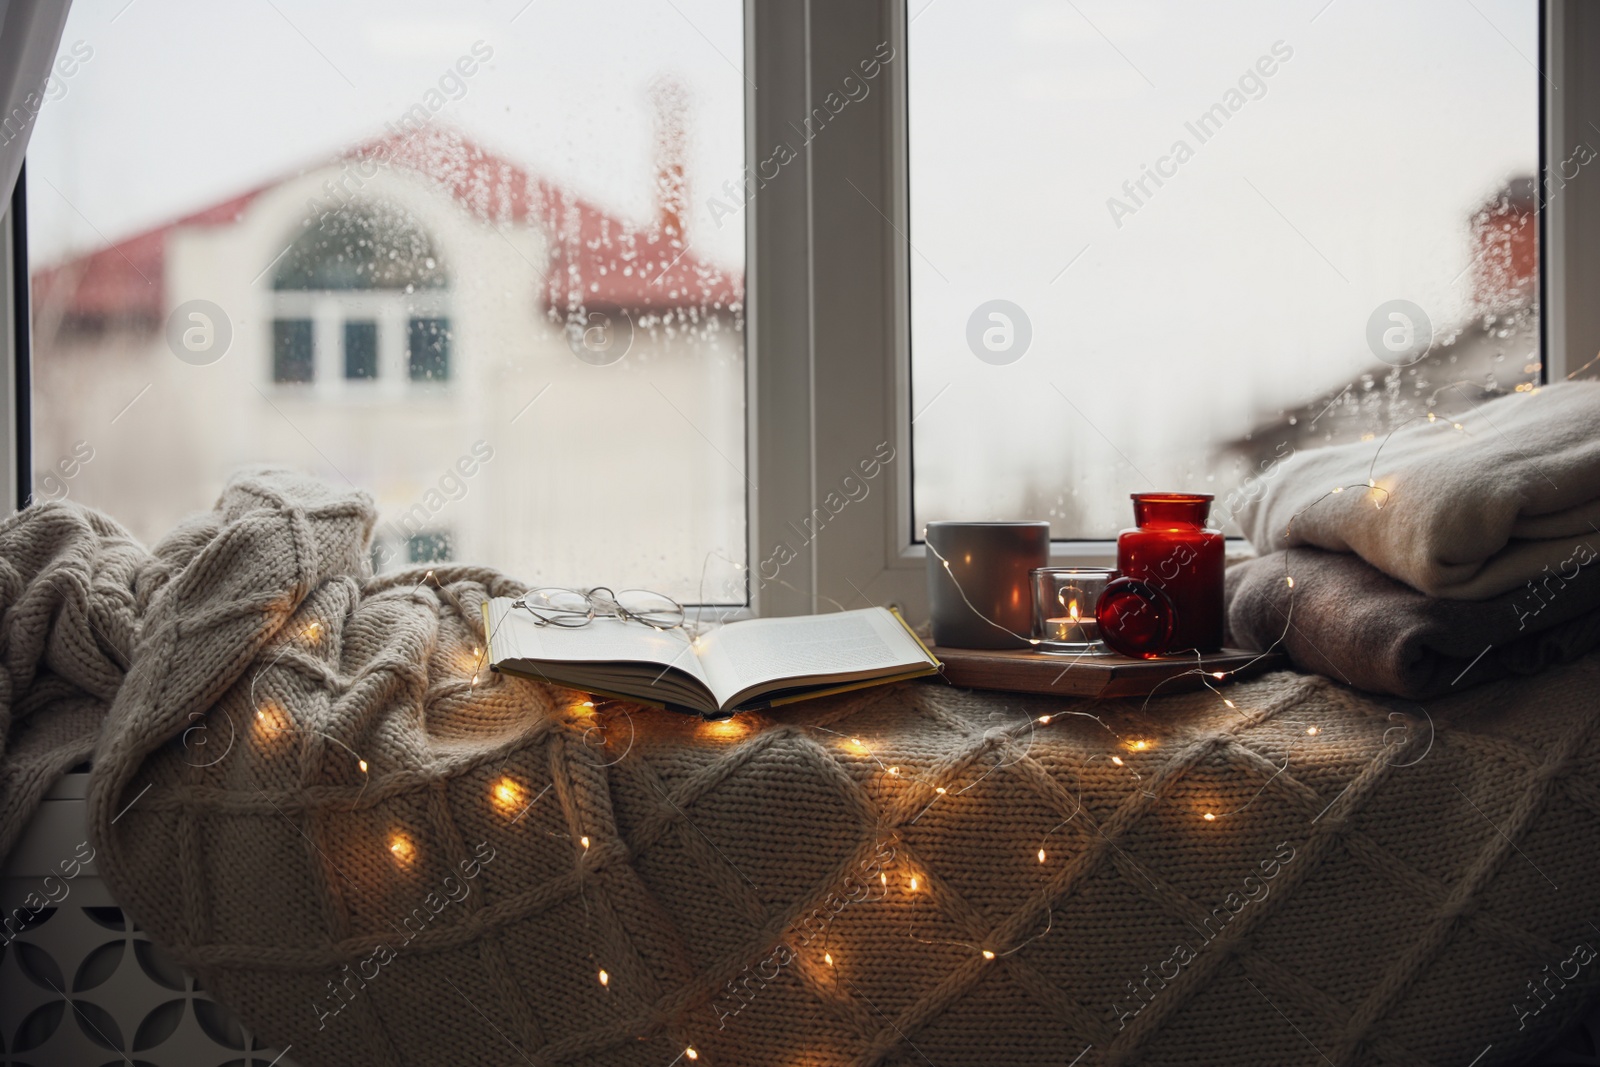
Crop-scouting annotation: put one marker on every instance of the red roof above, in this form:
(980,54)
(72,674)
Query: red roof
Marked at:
(597,259)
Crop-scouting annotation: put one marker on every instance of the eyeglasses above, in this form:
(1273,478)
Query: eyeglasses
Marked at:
(571,608)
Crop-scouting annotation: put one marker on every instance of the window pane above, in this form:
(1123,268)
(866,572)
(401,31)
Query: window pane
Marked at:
(430,350)
(507,239)
(361,349)
(1161,245)
(428,548)
(291,350)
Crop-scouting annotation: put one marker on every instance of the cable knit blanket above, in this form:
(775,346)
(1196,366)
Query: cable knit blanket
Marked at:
(301,790)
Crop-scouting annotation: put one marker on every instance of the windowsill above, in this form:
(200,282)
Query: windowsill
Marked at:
(359,392)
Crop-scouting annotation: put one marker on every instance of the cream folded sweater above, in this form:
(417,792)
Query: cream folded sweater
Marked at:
(1465,508)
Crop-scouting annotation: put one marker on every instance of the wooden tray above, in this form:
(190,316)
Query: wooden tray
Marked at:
(1026,671)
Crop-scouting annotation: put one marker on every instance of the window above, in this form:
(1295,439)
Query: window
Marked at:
(1162,245)
(360,349)
(437,253)
(428,548)
(429,349)
(291,350)
(362,270)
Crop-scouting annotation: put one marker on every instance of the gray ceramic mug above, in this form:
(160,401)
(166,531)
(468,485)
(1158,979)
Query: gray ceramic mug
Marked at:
(991,562)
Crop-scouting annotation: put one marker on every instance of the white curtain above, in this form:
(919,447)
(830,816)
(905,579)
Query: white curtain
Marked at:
(30,33)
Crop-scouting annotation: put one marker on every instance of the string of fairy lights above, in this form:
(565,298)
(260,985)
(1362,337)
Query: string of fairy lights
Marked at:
(510,798)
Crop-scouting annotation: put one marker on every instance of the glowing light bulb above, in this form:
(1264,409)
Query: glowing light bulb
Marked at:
(1290,580)
(1338,489)
(584,841)
(827,957)
(883,878)
(939,789)
(605,979)
(1312,730)
(1432,417)
(312,632)
(272,724)
(725,729)
(401,848)
(362,764)
(1044,720)
(1219,675)
(507,794)
(988,955)
(1208,817)
(1140,746)
(1041,855)
(1117,760)
(1228,702)
(691,1053)
(914,883)
(474,679)
(1458,426)
(894,770)
(476,651)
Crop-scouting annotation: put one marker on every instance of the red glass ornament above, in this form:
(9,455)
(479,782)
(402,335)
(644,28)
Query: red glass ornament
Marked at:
(1173,552)
(1135,618)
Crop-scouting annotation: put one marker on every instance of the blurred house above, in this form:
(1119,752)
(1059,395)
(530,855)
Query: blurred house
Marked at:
(1495,350)
(496,358)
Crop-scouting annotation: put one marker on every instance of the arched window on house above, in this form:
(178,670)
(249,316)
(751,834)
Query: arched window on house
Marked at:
(361,300)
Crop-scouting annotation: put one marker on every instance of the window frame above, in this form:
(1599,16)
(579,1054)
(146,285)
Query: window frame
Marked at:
(827,339)
(852,248)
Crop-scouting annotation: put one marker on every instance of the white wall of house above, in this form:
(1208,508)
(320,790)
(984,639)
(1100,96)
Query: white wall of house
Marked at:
(617,474)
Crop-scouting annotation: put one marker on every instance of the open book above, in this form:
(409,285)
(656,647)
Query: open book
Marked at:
(754,663)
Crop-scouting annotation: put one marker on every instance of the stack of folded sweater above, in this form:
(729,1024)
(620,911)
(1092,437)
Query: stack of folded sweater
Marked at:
(1447,554)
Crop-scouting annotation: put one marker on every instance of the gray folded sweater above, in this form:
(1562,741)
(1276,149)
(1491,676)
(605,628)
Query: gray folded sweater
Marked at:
(1345,619)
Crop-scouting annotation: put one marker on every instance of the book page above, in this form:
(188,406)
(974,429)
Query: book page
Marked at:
(515,635)
(805,648)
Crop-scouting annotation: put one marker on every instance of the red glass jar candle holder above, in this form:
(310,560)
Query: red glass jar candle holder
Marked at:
(1171,568)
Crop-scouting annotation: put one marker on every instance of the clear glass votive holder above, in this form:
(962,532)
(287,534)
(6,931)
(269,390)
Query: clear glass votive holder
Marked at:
(1064,601)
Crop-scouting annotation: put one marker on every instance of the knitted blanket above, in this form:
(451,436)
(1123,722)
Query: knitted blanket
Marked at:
(1359,626)
(300,789)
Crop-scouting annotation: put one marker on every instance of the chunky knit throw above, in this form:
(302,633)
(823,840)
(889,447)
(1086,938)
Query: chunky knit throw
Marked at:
(300,790)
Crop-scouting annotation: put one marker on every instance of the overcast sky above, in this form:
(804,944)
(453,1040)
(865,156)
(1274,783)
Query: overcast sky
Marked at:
(187,102)
(1241,285)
